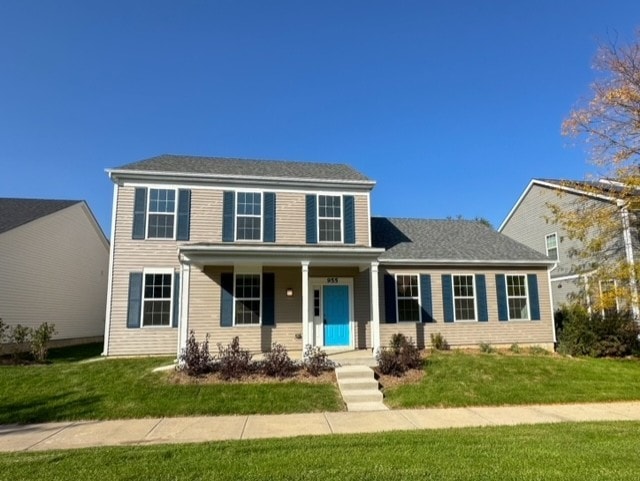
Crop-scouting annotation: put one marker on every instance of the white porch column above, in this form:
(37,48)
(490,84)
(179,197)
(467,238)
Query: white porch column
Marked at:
(307,335)
(375,308)
(183,322)
(628,247)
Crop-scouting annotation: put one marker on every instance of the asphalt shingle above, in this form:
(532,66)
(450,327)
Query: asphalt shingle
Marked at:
(17,212)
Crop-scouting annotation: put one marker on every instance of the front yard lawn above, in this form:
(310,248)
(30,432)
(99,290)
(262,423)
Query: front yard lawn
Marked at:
(68,389)
(564,452)
(459,378)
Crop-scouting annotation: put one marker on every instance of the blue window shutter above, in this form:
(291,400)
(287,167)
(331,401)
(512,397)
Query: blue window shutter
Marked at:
(139,213)
(268,301)
(481,296)
(135,299)
(226,300)
(176,299)
(532,280)
(426,302)
(228,216)
(312,219)
(389,299)
(349,220)
(269,234)
(184,214)
(501,292)
(447,297)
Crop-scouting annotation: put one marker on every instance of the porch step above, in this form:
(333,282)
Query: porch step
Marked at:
(359,388)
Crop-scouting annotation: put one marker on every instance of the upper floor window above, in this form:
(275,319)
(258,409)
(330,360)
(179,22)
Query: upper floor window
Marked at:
(247,299)
(156,299)
(517,297)
(330,218)
(161,213)
(464,300)
(249,216)
(408,298)
(551,244)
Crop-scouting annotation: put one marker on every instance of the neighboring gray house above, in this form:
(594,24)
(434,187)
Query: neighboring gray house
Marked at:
(530,222)
(287,252)
(54,262)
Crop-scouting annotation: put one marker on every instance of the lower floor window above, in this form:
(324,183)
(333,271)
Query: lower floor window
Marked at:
(156,309)
(408,300)
(517,297)
(464,298)
(247,299)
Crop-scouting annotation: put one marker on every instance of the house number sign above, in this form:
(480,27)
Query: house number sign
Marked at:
(332,280)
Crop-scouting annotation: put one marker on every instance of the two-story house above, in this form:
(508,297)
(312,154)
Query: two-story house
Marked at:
(287,252)
(531,222)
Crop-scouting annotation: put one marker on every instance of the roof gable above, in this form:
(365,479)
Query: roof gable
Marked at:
(17,212)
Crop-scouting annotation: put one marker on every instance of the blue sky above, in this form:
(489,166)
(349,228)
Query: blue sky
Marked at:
(452,106)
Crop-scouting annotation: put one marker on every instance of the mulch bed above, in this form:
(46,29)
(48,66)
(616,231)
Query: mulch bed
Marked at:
(178,377)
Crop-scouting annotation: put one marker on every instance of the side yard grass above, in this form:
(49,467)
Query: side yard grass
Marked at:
(68,389)
(564,452)
(459,378)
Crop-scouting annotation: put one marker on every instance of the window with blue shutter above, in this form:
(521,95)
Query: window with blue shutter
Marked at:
(426,303)
(501,293)
(184,214)
(349,220)
(135,300)
(268,299)
(226,300)
(269,217)
(481,293)
(532,281)
(139,213)
(228,216)
(447,297)
(312,219)
(389,299)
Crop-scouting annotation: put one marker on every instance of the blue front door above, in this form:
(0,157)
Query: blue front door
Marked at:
(335,307)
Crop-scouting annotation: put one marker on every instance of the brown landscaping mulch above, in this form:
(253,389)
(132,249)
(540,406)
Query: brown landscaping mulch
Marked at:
(327,377)
(410,377)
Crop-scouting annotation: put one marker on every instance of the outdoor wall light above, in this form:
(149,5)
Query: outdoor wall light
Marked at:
(289,292)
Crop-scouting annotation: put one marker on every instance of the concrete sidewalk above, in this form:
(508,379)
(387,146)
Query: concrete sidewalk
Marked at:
(72,435)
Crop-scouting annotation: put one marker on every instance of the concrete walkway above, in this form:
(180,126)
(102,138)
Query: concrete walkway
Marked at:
(72,435)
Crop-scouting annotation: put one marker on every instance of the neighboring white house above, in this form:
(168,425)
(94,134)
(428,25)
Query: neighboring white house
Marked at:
(54,261)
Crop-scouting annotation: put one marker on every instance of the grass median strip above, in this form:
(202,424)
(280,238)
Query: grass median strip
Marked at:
(581,451)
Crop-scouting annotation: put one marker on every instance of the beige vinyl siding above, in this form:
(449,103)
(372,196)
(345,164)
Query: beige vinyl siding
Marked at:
(471,333)
(291,218)
(363,223)
(55,269)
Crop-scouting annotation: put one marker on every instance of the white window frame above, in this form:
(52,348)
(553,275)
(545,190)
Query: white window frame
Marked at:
(417,297)
(318,218)
(148,213)
(557,247)
(235,298)
(474,297)
(163,271)
(526,297)
(615,290)
(237,216)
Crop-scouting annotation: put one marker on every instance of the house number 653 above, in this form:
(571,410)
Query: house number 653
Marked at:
(332,280)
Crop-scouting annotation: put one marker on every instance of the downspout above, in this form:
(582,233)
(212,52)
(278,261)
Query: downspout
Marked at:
(107,317)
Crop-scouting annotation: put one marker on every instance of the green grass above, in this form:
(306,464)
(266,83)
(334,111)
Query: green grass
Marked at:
(566,452)
(473,379)
(67,389)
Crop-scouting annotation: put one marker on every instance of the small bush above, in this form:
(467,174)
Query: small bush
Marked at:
(39,341)
(486,348)
(19,335)
(401,355)
(515,348)
(439,343)
(315,360)
(585,334)
(538,351)
(4,328)
(233,361)
(277,362)
(195,358)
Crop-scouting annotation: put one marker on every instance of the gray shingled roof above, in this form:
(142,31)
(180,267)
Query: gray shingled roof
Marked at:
(185,164)
(16,212)
(446,240)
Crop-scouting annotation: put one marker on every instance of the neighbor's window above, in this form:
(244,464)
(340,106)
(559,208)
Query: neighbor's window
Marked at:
(161,213)
(330,218)
(609,298)
(247,305)
(249,216)
(408,298)
(157,291)
(517,297)
(551,242)
(464,298)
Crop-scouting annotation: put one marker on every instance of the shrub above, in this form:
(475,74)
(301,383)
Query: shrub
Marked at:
(3,331)
(316,361)
(195,358)
(584,334)
(515,348)
(233,361)
(439,343)
(538,351)
(401,355)
(39,340)
(277,362)
(486,348)
(19,335)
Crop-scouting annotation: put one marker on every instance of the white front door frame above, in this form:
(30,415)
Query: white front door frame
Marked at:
(316,337)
